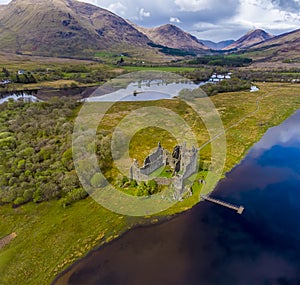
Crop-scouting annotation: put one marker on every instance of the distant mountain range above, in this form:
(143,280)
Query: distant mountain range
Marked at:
(250,39)
(68,28)
(282,48)
(218,45)
(173,37)
(64,28)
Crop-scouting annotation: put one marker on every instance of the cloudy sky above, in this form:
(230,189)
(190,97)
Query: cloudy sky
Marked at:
(209,19)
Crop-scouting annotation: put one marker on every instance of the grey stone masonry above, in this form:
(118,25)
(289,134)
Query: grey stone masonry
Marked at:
(183,161)
(152,162)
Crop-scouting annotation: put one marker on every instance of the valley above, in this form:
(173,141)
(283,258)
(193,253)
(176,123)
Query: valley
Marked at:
(72,240)
(65,51)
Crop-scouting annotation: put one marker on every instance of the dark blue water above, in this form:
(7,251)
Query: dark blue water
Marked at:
(213,245)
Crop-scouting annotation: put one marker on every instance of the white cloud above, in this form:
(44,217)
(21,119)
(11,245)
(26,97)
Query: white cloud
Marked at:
(209,19)
(250,14)
(94,2)
(193,5)
(174,20)
(143,14)
(264,14)
(118,8)
(205,26)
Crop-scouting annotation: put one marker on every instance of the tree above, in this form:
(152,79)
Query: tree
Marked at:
(121,61)
(152,186)
(133,183)
(5,72)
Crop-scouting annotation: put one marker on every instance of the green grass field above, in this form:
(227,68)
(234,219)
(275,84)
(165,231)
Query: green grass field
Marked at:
(50,238)
(158,68)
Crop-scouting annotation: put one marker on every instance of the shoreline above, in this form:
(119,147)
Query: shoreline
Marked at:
(165,218)
(121,235)
(73,232)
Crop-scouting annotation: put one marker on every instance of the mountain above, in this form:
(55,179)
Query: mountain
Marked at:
(65,28)
(250,39)
(218,45)
(282,48)
(173,37)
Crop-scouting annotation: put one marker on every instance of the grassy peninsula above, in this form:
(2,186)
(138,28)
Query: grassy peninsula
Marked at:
(50,237)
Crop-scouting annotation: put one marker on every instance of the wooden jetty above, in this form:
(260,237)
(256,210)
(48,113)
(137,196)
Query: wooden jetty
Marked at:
(238,209)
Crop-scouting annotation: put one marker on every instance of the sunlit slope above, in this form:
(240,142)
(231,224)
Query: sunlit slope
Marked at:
(64,28)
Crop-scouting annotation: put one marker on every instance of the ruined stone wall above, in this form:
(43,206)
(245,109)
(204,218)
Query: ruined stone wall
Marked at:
(187,158)
(155,155)
(135,173)
(153,162)
(190,166)
(178,184)
(163,181)
(151,167)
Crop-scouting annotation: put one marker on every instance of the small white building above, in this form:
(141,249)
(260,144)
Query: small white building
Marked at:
(215,78)
(4,82)
(254,89)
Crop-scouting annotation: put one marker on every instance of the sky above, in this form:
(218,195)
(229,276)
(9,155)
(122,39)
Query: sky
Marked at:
(209,19)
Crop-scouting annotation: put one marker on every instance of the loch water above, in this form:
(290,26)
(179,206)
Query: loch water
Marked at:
(15,97)
(213,245)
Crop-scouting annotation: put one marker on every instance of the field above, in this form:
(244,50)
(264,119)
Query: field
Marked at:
(65,73)
(50,237)
(49,73)
(161,68)
(16,62)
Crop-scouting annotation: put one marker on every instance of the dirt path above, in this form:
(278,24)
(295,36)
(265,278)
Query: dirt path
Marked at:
(6,240)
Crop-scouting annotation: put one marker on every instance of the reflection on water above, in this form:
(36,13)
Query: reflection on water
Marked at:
(25,97)
(144,91)
(213,245)
(288,135)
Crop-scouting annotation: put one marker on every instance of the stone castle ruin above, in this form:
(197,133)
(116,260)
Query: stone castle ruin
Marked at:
(183,162)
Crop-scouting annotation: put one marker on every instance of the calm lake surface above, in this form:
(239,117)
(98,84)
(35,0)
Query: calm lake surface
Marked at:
(24,96)
(213,245)
(148,90)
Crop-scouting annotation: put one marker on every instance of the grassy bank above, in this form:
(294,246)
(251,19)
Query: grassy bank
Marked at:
(158,68)
(50,238)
